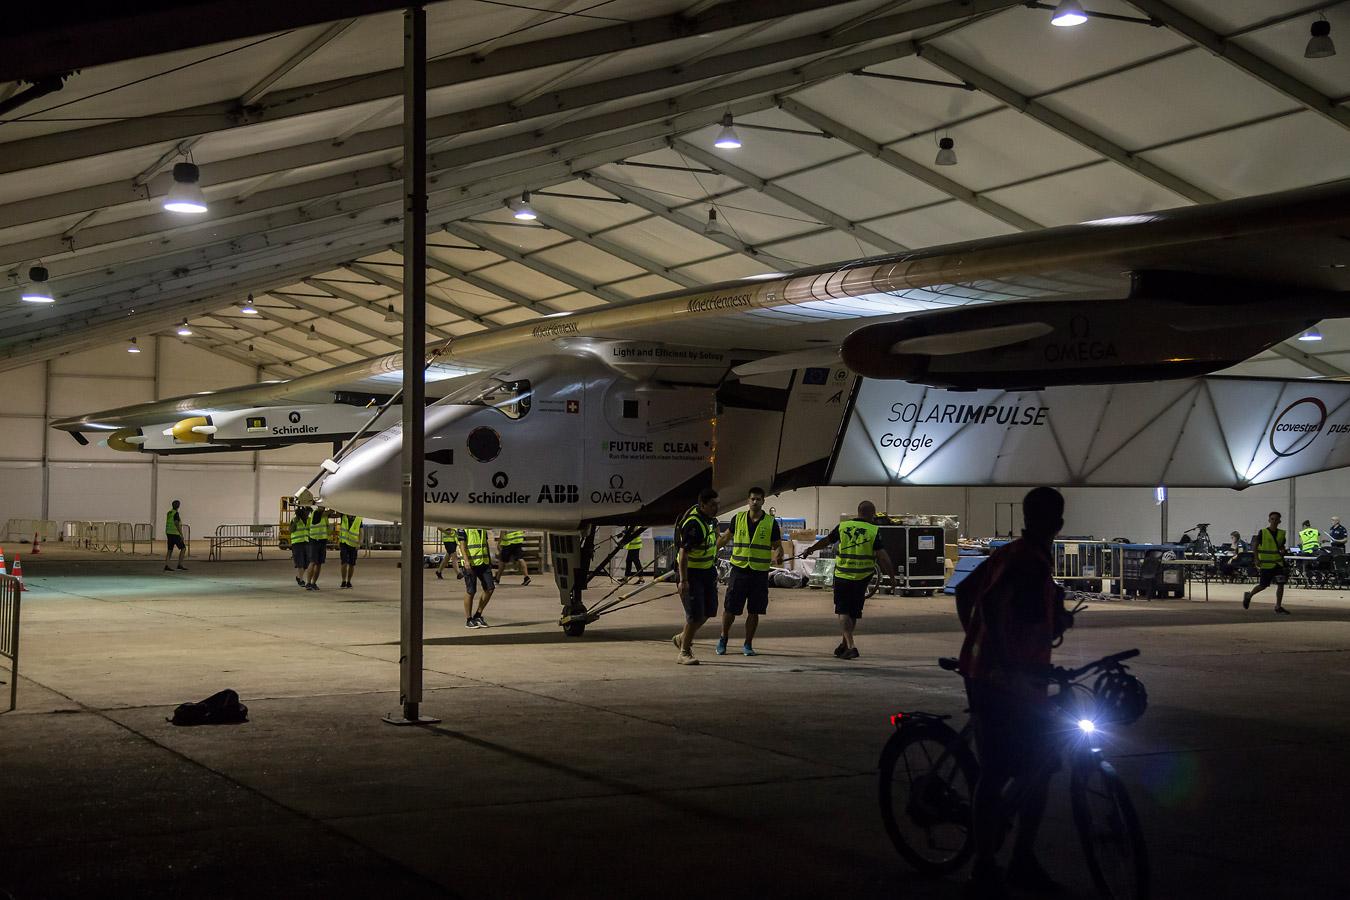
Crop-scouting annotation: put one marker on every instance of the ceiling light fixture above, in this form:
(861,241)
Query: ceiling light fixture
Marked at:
(186,194)
(184,330)
(133,347)
(712,226)
(390,315)
(727,138)
(946,155)
(1312,334)
(247,307)
(1320,45)
(313,335)
(524,212)
(37,291)
(1068,14)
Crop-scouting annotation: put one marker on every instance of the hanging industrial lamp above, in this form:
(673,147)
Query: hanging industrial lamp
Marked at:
(37,290)
(1068,14)
(946,155)
(1320,45)
(727,138)
(712,226)
(524,212)
(186,194)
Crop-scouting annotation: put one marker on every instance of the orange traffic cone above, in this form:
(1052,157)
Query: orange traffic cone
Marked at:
(2,562)
(36,550)
(18,573)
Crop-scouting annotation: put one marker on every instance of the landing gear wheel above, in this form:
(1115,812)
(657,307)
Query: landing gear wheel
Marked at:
(574,629)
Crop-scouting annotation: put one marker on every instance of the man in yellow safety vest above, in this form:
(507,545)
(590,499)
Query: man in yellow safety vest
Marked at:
(1268,545)
(632,560)
(859,554)
(697,536)
(475,562)
(300,543)
(349,541)
(318,546)
(756,543)
(173,534)
(511,548)
(449,538)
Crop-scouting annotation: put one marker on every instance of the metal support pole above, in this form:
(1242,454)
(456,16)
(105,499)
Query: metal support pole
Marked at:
(1162,507)
(414,361)
(1293,506)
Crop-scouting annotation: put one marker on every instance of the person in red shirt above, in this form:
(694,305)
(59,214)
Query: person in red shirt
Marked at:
(1012,612)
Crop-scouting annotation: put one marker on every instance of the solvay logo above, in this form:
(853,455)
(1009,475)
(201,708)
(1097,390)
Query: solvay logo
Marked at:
(1297,426)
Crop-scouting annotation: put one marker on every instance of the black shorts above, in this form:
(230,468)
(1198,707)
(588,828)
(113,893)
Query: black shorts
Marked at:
(318,553)
(300,555)
(1277,575)
(347,555)
(747,584)
(850,595)
(1012,733)
(175,540)
(702,600)
(449,547)
(474,574)
(511,553)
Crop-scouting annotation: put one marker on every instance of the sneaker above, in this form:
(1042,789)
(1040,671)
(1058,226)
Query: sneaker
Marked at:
(300,581)
(182,568)
(439,576)
(345,584)
(748,650)
(687,659)
(639,581)
(311,587)
(1280,610)
(1247,600)
(470,622)
(850,653)
(1027,875)
(482,623)
(526,582)
(722,645)
(841,650)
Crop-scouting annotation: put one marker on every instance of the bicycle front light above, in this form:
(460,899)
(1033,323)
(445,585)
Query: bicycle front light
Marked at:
(1087,726)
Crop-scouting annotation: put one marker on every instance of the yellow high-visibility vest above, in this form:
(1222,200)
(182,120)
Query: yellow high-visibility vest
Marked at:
(703,555)
(1309,539)
(349,531)
(511,538)
(635,543)
(171,522)
(299,531)
(476,546)
(752,550)
(857,550)
(1268,546)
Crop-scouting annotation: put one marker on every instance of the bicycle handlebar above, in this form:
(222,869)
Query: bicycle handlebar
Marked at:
(1060,674)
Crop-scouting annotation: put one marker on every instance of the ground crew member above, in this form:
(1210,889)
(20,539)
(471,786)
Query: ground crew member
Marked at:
(300,543)
(449,536)
(756,542)
(349,541)
(697,534)
(1309,538)
(511,548)
(173,533)
(1338,535)
(475,562)
(859,555)
(632,560)
(1270,550)
(318,546)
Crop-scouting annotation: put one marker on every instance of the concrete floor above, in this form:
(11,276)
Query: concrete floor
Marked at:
(591,767)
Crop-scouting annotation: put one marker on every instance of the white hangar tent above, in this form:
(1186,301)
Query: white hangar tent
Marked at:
(602,119)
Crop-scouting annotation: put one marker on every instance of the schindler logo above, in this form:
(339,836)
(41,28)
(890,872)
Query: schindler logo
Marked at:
(1298,426)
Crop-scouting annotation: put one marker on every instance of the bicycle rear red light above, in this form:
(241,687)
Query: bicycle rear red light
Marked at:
(895,719)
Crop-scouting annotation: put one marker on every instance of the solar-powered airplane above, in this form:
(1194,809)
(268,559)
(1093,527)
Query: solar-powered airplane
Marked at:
(1075,355)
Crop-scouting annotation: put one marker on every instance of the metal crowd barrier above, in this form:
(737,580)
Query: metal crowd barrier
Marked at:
(255,536)
(25,529)
(143,533)
(1087,565)
(9,631)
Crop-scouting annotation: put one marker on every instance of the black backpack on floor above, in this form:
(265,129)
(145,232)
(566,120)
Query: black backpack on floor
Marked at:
(221,708)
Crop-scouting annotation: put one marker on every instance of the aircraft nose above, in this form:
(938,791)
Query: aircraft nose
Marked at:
(367,481)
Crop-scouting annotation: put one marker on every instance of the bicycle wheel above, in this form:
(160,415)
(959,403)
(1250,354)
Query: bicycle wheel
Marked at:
(1113,842)
(927,779)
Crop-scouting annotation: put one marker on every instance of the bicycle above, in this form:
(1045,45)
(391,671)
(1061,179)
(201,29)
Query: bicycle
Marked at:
(928,773)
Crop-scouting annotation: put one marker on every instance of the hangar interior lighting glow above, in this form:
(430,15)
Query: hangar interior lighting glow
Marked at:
(523,211)
(133,347)
(1068,14)
(37,291)
(186,194)
(184,330)
(247,307)
(1319,44)
(727,138)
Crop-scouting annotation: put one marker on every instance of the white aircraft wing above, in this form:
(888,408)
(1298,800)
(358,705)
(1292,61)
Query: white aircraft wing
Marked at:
(1065,298)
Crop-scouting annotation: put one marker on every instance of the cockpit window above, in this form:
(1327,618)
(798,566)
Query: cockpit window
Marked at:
(510,398)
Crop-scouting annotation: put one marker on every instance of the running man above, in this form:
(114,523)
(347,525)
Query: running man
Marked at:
(859,555)
(173,534)
(475,562)
(511,548)
(349,541)
(698,578)
(1270,551)
(756,543)
(300,543)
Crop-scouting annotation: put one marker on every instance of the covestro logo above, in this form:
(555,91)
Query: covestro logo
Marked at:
(1297,426)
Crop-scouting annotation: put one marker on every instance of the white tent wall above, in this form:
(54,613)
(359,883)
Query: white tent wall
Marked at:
(47,474)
